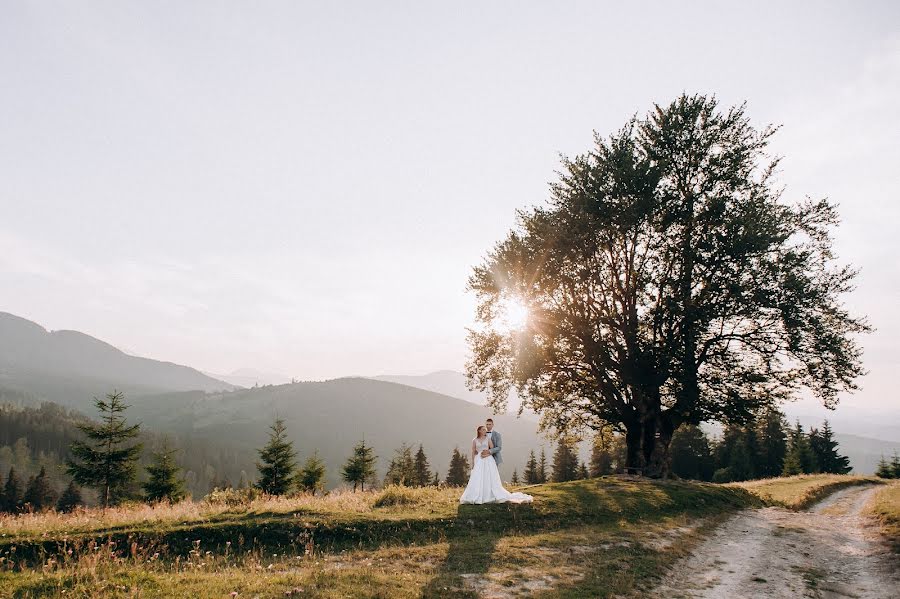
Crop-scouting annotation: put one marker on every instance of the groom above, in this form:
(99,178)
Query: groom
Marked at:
(496,439)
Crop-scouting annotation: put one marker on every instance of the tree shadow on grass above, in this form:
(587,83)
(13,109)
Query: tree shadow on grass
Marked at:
(473,540)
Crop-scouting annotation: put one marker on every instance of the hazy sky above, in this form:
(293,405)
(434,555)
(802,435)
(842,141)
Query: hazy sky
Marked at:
(305,188)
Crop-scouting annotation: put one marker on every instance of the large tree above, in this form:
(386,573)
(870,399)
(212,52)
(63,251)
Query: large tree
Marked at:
(666,283)
(106,460)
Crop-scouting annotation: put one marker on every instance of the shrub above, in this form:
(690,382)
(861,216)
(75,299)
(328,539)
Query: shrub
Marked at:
(233,497)
(722,475)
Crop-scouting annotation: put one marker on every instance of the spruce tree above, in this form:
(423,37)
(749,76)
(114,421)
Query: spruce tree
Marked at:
(542,467)
(422,472)
(106,461)
(531,470)
(884,469)
(70,499)
(515,478)
(277,465)
(771,431)
(402,469)
(436,479)
(458,472)
(583,472)
(825,448)
(690,453)
(39,495)
(11,498)
(601,455)
(312,476)
(895,465)
(165,482)
(360,467)
(565,463)
(800,458)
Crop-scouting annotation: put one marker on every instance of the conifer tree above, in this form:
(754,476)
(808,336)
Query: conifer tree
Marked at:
(458,472)
(565,463)
(583,471)
(690,453)
(515,478)
(402,469)
(436,479)
(11,497)
(800,458)
(531,470)
(825,448)
(771,431)
(70,499)
(106,461)
(542,467)
(165,482)
(277,466)
(422,470)
(360,466)
(895,465)
(312,476)
(601,455)
(886,469)
(39,495)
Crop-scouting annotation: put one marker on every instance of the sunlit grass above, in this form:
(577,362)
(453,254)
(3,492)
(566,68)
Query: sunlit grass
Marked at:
(885,506)
(799,492)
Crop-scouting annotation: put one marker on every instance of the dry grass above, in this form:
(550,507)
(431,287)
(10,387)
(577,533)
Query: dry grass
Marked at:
(187,512)
(800,492)
(885,506)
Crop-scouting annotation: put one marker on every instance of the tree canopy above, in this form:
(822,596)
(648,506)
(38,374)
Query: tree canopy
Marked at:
(668,282)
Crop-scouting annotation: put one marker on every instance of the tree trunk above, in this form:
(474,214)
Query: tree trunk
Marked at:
(633,458)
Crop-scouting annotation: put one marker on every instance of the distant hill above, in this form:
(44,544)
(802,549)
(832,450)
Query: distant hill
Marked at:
(331,416)
(70,368)
(249,377)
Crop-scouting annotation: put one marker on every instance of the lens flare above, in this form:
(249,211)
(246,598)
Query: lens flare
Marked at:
(513,313)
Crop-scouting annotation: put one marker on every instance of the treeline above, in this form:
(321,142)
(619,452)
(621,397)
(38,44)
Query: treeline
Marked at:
(888,469)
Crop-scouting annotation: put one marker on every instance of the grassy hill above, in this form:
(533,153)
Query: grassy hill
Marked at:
(588,538)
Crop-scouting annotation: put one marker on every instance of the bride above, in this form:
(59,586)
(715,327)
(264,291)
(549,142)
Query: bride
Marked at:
(485,485)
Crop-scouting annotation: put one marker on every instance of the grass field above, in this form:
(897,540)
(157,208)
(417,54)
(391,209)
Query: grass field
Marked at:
(593,538)
(799,492)
(885,506)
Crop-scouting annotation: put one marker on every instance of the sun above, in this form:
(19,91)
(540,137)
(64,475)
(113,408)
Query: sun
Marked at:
(512,313)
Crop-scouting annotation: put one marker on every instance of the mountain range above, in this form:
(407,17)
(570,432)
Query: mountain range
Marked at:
(436,409)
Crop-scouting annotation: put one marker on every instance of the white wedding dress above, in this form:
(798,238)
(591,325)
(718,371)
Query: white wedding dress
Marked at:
(485,485)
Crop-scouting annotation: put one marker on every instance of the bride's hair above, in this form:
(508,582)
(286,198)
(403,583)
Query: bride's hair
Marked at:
(478,431)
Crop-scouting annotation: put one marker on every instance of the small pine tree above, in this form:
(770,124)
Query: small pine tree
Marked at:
(515,478)
(799,454)
(601,455)
(583,472)
(436,479)
(70,499)
(458,472)
(360,467)
(825,448)
(105,461)
(542,467)
(895,465)
(531,470)
(402,469)
(39,495)
(884,469)
(312,476)
(565,463)
(165,482)
(11,498)
(422,471)
(771,432)
(277,467)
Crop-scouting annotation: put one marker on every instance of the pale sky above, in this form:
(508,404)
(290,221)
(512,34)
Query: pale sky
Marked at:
(305,188)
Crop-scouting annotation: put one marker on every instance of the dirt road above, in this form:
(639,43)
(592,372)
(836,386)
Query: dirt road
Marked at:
(832,550)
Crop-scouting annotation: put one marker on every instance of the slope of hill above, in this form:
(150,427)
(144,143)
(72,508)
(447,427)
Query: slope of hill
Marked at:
(331,416)
(69,367)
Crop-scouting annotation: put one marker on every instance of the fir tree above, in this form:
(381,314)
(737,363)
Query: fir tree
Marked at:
(70,499)
(402,469)
(583,471)
(771,432)
(458,472)
(360,467)
(11,498)
(165,482)
(895,465)
(800,458)
(106,461)
(277,466)
(531,470)
(39,495)
(691,454)
(422,471)
(312,476)
(825,448)
(601,455)
(884,469)
(542,467)
(436,479)
(565,463)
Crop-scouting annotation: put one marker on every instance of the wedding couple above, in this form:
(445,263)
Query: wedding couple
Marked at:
(485,485)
